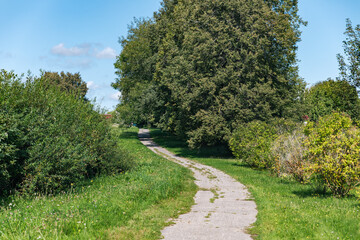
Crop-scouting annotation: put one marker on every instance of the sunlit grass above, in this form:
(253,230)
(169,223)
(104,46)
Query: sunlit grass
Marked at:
(286,209)
(133,205)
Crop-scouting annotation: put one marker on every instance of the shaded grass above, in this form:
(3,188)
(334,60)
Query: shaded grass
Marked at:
(286,209)
(179,145)
(132,205)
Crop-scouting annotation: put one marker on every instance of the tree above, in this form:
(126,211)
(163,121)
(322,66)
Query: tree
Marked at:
(350,69)
(223,63)
(332,95)
(201,68)
(71,83)
(135,67)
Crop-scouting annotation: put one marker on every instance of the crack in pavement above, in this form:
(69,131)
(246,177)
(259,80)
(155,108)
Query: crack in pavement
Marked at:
(222,210)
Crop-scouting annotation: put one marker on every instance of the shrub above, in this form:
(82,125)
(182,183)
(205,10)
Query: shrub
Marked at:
(334,148)
(289,153)
(51,139)
(251,143)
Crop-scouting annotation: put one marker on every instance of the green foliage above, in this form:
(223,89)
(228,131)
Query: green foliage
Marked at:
(350,69)
(51,140)
(135,66)
(71,83)
(11,153)
(330,95)
(201,68)
(252,143)
(334,152)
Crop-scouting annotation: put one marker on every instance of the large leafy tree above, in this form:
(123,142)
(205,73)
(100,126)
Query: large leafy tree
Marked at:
(350,67)
(215,65)
(135,67)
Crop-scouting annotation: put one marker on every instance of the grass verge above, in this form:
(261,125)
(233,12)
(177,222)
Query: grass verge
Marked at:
(133,205)
(286,209)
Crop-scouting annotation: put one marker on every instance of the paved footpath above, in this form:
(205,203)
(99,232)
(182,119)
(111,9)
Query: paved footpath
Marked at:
(223,209)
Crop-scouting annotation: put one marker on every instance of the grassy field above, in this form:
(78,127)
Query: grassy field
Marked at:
(286,209)
(134,205)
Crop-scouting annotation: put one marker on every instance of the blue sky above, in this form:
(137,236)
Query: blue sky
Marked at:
(82,36)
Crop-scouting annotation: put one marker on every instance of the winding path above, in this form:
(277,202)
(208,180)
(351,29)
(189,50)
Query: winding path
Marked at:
(222,209)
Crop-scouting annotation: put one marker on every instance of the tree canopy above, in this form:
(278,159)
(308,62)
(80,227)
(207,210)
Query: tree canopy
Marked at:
(350,68)
(332,95)
(201,68)
(68,82)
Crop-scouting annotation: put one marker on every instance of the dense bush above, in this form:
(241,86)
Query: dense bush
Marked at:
(251,143)
(334,152)
(50,139)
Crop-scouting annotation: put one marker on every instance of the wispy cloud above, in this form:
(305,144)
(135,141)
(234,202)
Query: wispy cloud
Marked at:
(61,50)
(115,96)
(107,53)
(79,56)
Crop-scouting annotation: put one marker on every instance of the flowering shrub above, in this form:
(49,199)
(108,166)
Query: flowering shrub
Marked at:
(334,152)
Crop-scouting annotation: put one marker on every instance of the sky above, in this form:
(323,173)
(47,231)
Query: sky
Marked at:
(82,36)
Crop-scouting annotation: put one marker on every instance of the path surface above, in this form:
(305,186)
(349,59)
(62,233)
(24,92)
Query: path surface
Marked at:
(222,209)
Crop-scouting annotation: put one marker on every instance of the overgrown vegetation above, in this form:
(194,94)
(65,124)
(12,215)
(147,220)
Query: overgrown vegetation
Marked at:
(286,209)
(132,205)
(325,154)
(50,138)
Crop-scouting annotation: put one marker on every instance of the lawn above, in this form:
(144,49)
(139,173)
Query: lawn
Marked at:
(133,205)
(286,209)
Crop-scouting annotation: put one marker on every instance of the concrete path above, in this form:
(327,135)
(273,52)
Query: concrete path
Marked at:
(222,209)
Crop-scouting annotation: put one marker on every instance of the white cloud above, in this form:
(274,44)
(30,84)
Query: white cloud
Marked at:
(107,53)
(92,86)
(61,50)
(115,96)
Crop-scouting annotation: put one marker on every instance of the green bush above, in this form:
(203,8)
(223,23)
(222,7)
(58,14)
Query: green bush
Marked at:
(334,152)
(10,153)
(251,143)
(51,139)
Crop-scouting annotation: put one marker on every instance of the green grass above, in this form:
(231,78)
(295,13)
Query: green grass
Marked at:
(286,209)
(133,205)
